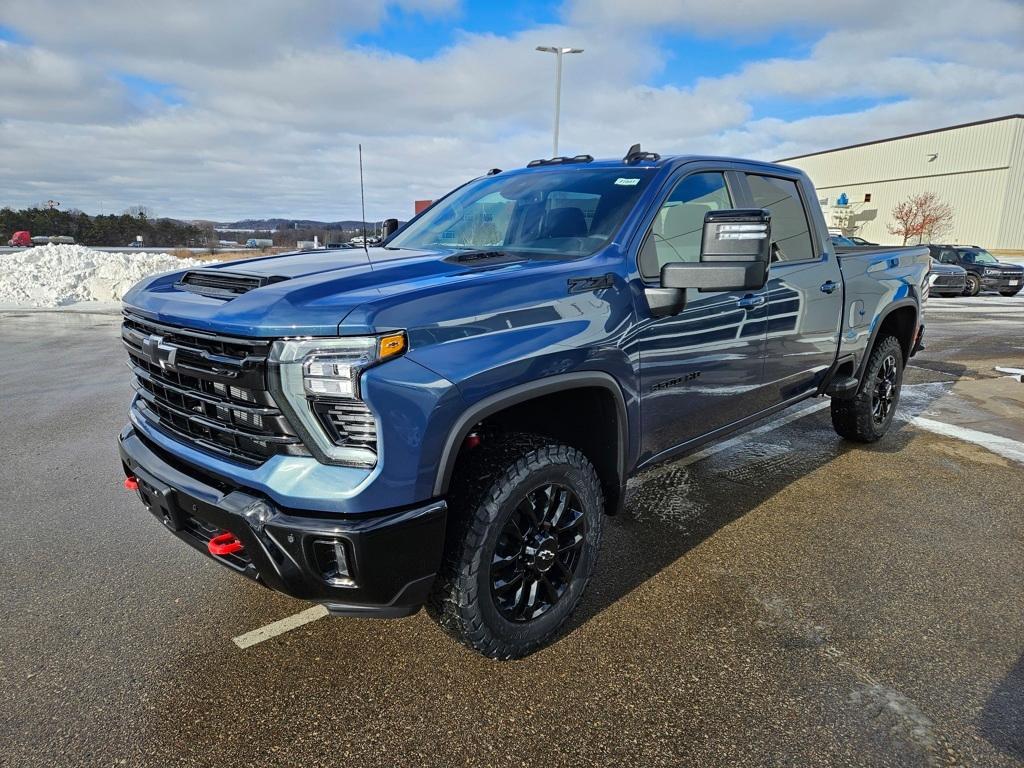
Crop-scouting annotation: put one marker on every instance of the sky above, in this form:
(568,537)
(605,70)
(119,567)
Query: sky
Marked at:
(226,110)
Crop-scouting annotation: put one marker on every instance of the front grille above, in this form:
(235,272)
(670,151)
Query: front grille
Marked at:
(949,280)
(207,390)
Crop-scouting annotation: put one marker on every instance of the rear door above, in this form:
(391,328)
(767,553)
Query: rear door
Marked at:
(805,292)
(700,369)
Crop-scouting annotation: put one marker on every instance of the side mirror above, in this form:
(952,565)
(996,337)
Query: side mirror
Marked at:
(389,228)
(734,254)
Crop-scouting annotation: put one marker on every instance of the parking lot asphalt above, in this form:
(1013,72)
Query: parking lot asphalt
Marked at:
(782,599)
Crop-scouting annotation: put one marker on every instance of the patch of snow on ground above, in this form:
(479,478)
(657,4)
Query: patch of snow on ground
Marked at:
(62,275)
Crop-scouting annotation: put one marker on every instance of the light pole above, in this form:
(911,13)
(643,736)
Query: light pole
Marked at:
(559,52)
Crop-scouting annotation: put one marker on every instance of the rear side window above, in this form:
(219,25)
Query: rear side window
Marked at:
(791,235)
(675,234)
(948,257)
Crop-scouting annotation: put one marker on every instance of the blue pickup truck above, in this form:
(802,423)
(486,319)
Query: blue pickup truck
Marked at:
(446,420)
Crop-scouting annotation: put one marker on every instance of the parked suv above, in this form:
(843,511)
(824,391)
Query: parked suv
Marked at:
(984,271)
(447,420)
(946,279)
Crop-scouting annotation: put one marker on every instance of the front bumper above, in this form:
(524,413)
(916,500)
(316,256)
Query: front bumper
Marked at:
(948,284)
(392,557)
(1004,282)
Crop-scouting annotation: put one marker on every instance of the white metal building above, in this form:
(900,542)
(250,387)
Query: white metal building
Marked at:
(978,168)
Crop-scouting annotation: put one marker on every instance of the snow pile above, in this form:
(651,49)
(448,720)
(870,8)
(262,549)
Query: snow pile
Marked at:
(60,275)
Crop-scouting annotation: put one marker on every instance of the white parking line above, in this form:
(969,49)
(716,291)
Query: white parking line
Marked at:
(1003,446)
(280,627)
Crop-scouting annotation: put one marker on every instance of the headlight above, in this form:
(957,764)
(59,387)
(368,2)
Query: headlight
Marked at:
(319,381)
(992,273)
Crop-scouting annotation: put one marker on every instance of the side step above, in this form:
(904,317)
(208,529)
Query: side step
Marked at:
(842,387)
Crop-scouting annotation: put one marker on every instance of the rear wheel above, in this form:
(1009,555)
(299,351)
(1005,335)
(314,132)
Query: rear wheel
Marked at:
(1014,292)
(866,417)
(973,285)
(524,531)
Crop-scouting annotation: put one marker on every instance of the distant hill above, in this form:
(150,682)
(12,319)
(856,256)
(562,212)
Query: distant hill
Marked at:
(282,224)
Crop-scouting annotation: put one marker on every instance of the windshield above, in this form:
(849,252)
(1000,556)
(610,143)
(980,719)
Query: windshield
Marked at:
(570,211)
(979,257)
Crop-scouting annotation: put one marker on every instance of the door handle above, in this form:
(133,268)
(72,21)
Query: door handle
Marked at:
(828,286)
(752,300)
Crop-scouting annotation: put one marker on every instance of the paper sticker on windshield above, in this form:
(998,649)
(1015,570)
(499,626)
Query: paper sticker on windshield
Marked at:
(627,182)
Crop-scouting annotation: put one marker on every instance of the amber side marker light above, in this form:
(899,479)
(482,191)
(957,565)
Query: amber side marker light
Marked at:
(390,345)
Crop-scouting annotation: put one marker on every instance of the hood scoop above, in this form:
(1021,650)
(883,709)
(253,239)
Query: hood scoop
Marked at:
(220,284)
(484,258)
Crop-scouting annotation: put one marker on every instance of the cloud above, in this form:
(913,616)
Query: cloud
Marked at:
(269,105)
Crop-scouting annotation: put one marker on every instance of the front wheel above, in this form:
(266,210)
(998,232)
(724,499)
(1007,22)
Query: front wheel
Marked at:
(1008,294)
(866,417)
(524,532)
(973,285)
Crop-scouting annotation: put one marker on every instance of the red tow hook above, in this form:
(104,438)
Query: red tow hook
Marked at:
(131,483)
(224,544)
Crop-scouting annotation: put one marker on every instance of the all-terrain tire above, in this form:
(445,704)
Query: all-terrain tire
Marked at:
(488,495)
(973,287)
(1008,294)
(858,418)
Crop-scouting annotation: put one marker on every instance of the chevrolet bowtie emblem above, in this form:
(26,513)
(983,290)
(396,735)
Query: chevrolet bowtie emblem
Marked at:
(159,353)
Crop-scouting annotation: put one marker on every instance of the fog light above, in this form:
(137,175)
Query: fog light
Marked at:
(331,558)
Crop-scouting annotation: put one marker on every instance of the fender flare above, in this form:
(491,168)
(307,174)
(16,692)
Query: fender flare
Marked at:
(520,394)
(878,326)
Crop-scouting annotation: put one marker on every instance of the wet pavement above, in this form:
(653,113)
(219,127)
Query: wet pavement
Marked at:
(787,599)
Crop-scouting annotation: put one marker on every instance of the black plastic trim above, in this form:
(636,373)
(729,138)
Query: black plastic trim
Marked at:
(878,326)
(395,554)
(520,394)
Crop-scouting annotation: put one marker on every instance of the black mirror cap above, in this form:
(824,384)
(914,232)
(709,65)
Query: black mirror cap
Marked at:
(390,226)
(737,235)
(715,276)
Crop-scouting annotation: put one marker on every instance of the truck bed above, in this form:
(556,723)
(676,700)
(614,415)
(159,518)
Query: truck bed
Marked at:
(875,278)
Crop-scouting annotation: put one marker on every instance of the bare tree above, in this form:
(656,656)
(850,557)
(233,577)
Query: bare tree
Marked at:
(922,215)
(936,216)
(139,212)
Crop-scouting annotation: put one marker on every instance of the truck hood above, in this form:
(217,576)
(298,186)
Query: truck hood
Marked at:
(307,293)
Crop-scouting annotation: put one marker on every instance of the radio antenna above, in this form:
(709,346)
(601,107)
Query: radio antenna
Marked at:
(362,201)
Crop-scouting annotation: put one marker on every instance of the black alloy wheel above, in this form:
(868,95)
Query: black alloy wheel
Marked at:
(525,517)
(973,285)
(537,552)
(867,416)
(886,388)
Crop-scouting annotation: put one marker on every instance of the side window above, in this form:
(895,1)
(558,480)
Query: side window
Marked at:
(791,236)
(948,257)
(676,231)
(967,257)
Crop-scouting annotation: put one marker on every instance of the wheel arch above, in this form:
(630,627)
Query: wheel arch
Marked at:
(610,461)
(901,318)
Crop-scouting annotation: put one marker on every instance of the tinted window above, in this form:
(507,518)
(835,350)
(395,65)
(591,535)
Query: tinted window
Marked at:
(791,237)
(980,257)
(570,211)
(675,234)
(948,257)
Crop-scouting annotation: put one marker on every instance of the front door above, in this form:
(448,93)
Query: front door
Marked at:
(701,369)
